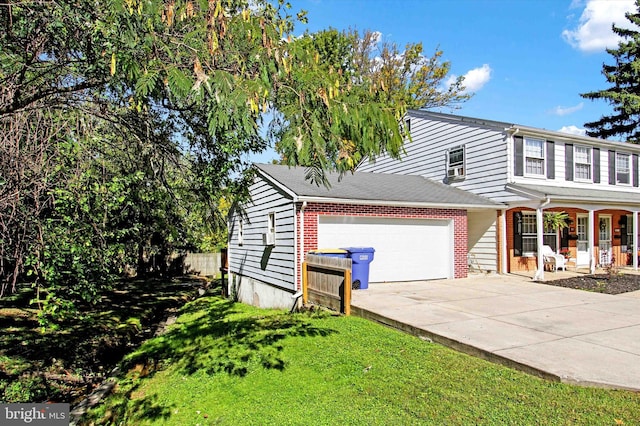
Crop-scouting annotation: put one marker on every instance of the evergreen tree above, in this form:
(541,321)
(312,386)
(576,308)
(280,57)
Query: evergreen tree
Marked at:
(624,94)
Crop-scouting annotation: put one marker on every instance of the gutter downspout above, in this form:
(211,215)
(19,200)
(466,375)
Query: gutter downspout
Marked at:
(539,275)
(301,238)
(635,240)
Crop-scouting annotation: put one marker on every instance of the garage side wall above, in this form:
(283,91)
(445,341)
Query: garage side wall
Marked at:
(262,273)
(459,218)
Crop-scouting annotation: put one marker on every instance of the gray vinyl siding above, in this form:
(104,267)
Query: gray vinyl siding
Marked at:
(486,167)
(272,265)
(482,237)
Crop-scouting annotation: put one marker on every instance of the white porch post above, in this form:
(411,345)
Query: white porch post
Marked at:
(539,276)
(591,237)
(635,240)
(503,242)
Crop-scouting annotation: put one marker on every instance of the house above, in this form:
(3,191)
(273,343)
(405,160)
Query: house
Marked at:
(419,229)
(531,171)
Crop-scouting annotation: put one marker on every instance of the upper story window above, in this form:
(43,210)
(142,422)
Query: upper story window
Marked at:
(455,162)
(534,157)
(582,163)
(623,169)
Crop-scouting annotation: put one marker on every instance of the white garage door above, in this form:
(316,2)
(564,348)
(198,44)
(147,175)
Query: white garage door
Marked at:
(405,249)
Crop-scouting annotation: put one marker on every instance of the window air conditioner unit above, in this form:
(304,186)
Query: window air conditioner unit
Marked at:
(269,239)
(456,172)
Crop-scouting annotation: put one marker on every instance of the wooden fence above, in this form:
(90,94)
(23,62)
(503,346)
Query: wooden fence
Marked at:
(327,281)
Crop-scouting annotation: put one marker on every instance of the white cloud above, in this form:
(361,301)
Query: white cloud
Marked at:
(573,130)
(560,110)
(377,36)
(474,79)
(593,31)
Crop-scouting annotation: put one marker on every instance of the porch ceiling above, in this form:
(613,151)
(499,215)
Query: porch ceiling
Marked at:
(583,195)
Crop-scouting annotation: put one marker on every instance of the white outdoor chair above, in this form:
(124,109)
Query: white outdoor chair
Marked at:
(553,260)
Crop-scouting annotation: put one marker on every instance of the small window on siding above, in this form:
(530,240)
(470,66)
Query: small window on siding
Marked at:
(269,238)
(407,125)
(582,160)
(271,227)
(455,162)
(534,157)
(623,168)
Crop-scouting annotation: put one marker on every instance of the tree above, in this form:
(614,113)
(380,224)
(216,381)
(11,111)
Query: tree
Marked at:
(356,112)
(138,114)
(624,94)
(28,142)
(408,78)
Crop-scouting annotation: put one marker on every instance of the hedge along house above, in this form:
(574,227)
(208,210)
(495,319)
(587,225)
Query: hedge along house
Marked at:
(531,171)
(417,227)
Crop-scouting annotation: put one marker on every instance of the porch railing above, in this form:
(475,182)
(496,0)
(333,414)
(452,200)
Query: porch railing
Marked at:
(604,250)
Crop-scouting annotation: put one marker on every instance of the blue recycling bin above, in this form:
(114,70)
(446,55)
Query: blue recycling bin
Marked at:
(361,257)
(330,253)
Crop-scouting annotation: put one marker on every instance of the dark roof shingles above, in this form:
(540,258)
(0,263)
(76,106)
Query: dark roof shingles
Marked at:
(374,186)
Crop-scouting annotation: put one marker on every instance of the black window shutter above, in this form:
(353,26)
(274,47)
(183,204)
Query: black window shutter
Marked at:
(518,166)
(623,230)
(568,161)
(517,233)
(612,167)
(564,238)
(551,161)
(634,172)
(596,165)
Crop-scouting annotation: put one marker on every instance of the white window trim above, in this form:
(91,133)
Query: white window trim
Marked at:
(407,125)
(584,241)
(542,175)
(629,157)
(457,171)
(575,164)
(630,234)
(529,235)
(269,238)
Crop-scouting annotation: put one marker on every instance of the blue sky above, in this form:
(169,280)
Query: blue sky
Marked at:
(526,61)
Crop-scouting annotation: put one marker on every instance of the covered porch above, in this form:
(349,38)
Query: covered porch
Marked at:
(600,229)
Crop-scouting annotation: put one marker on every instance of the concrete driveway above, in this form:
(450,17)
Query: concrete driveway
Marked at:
(561,334)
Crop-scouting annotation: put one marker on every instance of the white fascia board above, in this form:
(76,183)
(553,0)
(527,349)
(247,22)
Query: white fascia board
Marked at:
(566,137)
(559,199)
(326,200)
(531,194)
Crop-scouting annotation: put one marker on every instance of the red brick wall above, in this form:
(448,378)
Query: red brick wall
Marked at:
(313,210)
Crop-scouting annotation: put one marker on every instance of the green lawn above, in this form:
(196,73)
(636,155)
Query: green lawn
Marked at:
(229,364)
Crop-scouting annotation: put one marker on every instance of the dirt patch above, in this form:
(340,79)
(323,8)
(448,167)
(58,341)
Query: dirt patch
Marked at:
(66,363)
(601,283)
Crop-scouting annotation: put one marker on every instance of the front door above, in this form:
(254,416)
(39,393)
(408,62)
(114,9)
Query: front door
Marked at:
(604,244)
(582,227)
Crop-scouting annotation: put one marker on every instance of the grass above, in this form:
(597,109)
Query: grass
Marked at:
(63,364)
(231,364)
